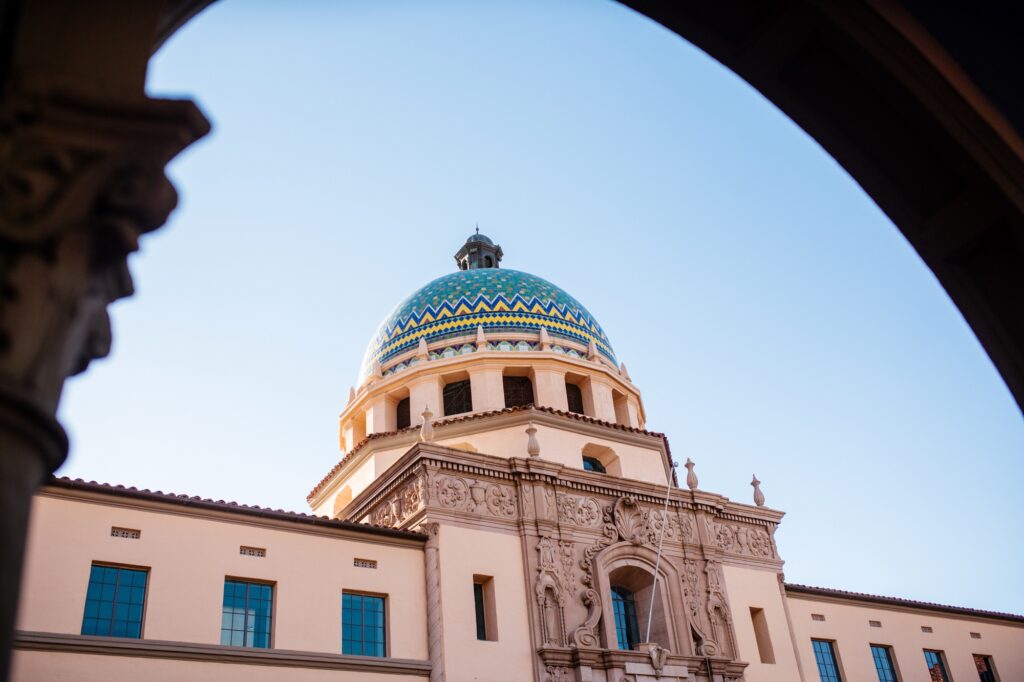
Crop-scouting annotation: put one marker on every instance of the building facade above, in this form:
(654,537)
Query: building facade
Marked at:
(500,512)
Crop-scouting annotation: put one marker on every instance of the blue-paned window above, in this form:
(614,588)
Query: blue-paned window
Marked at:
(362,624)
(825,655)
(884,666)
(936,666)
(624,609)
(594,464)
(114,602)
(245,620)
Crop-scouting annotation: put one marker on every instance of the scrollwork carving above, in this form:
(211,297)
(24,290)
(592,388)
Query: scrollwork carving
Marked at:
(501,501)
(579,511)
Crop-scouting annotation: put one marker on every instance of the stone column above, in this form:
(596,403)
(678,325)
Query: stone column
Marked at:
(82,156)
(435,619)
(549,389)
(488,388)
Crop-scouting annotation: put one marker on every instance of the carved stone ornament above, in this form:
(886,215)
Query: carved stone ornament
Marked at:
(80,182)
(579,511)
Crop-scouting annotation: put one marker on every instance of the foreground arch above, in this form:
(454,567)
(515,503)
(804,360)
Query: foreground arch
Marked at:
(915,105)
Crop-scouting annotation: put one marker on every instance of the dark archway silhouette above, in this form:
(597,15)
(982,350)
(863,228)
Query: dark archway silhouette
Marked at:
(918,101)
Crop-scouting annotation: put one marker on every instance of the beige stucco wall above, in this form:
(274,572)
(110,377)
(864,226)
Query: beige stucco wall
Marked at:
(759,588)
(463,553)
(846,623)
(36,666)
(189,556)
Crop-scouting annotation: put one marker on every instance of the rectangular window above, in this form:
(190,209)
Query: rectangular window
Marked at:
(574,395)
(362,624)
(884,665)
(458,398)
(402,414)
(483,603)
(764,640)
(518,391)
(986,671)
(825,655)
(936,665)
(114,601)
(245,620)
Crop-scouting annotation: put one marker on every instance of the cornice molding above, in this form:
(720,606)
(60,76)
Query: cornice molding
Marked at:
(212,653)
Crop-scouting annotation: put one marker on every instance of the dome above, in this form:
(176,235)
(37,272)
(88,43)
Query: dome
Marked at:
(479,238)
(495,299)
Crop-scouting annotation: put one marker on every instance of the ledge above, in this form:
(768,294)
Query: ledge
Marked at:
(187,651)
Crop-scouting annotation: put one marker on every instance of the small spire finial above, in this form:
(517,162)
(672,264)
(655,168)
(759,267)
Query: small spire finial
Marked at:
(478,228)
(691,478)
(758,495)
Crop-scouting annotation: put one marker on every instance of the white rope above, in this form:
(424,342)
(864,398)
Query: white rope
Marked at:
(657,560)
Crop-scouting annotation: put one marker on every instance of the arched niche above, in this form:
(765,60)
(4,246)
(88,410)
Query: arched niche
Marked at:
(632,567)
(608,458)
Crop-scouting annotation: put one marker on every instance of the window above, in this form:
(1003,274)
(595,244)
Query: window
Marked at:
(575,396)
(114,602)
(245,620)
(483,602)
(594,464)
(518,391)
(764,640)
(825,655)
(624,608)
(883,663)
(362,624)
(936,665)
(402,414)
(458,398)
(986,671)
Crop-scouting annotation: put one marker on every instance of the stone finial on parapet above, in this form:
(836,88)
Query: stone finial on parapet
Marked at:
(758,495)
(421,350)
(624,372)
(427,428)
(592,353)
(377,372)
(545,339)
(532,444)
(351,393)
(481,338)
(691,478)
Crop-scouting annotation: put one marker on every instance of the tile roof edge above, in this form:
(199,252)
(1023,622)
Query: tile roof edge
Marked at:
(228,506)
(899,601)
(457,419)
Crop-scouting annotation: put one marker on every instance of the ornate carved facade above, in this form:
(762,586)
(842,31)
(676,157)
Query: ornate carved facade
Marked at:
(577,530)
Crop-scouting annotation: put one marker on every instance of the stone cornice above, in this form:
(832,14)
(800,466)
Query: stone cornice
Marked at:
(472,423)
(226,512)
(213,653)
(824,594)
(600,370)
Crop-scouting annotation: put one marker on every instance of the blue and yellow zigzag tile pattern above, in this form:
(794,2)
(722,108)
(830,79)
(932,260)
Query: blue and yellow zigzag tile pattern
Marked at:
(496,299)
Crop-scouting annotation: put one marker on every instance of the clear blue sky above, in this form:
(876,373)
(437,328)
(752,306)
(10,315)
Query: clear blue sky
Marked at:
(776,321)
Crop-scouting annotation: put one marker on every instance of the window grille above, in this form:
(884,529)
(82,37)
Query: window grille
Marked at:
(818,616)
(875,623)
(126,533)
(252,551)
(364,563)
(975,635)
(518,391)
(926,628)
(458,398)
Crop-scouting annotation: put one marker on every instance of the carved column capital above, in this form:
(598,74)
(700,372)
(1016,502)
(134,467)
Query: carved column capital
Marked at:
(80,182)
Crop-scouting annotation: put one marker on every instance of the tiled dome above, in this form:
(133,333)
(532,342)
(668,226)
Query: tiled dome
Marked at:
(495,299)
